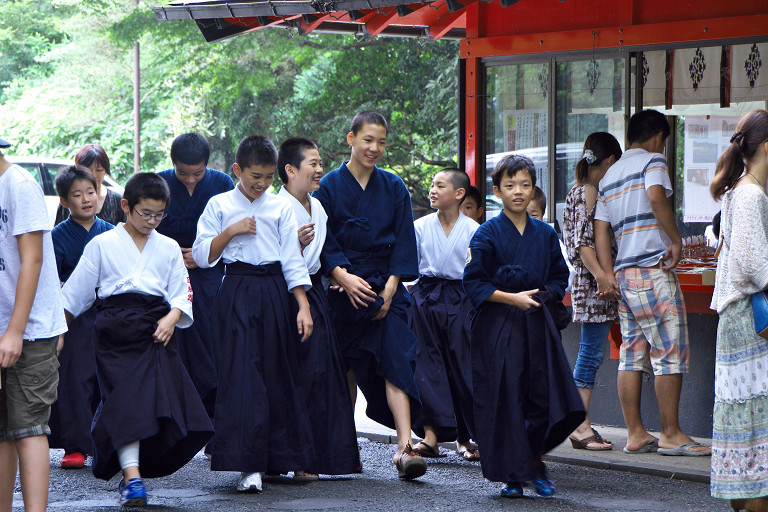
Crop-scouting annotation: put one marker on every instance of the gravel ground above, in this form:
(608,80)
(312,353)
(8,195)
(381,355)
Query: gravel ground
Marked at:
(450,484)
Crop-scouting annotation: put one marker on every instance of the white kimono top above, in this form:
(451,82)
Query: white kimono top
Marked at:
(311,252)
(276,239)
(112,263)
(441,256)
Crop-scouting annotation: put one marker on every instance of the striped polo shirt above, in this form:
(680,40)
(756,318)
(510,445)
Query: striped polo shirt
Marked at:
(623,202)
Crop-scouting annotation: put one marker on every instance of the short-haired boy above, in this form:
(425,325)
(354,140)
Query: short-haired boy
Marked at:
(472,206)
(439,316)
(536,209)
(78,391)
(633,207)
(370,247)
(321,366)
(538,205)
(31,320)
(192,185)
(261,421)
(150,421)
(525,400)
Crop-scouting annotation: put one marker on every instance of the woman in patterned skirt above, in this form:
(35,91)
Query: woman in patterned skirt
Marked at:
(740,419)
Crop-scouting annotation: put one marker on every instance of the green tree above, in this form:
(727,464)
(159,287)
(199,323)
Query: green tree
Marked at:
(77,88)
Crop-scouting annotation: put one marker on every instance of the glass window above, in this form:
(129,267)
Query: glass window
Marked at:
(516,121)
(590,98)
(703,113)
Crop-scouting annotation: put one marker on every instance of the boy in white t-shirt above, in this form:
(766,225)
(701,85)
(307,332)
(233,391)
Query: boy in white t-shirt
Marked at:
(31,320)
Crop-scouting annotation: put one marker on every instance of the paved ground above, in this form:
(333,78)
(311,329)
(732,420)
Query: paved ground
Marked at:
(450,484)
(586,481)
(694,469)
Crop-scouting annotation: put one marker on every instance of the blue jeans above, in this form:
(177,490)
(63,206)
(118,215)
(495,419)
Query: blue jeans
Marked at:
(591,352)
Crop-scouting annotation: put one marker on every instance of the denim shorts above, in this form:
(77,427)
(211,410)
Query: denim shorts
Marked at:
(654,325)
(28,390)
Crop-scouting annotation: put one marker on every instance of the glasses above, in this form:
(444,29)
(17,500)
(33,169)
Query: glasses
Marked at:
(149,216)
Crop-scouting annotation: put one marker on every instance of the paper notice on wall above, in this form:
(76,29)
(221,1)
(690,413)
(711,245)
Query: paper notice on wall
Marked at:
(706,137)
(525,129)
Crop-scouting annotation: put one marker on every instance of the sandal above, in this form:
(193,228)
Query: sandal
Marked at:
(426,450)
(410,465)
(583,444)
(471,455)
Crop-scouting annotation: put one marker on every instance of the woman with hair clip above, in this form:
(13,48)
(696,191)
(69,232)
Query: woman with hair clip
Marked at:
(740,418)
(95,159)
(601,150)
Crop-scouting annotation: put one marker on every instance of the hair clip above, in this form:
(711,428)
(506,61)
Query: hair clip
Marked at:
(589,156)
(737,137)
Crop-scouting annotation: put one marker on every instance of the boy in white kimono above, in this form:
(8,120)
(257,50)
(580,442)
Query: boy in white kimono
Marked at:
(150,415)
(261,420)
(321,365)
(439,316)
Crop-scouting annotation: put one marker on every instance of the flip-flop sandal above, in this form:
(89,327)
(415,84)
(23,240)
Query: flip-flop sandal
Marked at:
(685,450)
(425,450)
(583,444)
(471,455)
(650,446)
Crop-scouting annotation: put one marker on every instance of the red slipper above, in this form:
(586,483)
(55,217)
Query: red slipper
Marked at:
(75,460)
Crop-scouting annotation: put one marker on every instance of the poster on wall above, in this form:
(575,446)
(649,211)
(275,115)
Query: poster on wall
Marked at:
(706,137)
(526,134)
(525,129)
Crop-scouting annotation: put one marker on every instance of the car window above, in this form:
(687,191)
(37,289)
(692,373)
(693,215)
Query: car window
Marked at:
(34,170)
(51,171)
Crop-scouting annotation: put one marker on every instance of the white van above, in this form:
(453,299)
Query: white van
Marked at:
(44,170)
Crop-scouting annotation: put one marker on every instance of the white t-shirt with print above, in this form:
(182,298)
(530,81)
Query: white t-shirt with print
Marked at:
(23,210)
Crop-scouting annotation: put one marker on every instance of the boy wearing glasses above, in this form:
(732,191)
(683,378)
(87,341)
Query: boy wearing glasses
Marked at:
(150,415)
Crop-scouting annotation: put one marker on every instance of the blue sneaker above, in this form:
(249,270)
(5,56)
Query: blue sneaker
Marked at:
(542,484)
(512,490)
(133,493)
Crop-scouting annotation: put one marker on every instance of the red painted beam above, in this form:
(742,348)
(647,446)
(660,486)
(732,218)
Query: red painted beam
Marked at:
(309,27)
(472,116)
(617,37)
(378,23)
(446,22)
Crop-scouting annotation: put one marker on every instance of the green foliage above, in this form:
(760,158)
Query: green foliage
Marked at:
(66,80)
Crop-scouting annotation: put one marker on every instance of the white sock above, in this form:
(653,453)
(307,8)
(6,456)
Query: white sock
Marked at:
(129,455)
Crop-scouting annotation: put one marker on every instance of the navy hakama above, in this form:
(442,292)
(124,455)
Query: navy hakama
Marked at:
(377,350)
(147,394)
(439,316)
(261,421)
(183,212)
(195,348)
(323,379)
(370,231)
(78,390)
(525,401)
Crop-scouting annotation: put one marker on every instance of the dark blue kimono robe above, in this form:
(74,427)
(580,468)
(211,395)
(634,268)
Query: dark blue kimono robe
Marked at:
(183,212)
(78,390)
(370,232)
(525,400)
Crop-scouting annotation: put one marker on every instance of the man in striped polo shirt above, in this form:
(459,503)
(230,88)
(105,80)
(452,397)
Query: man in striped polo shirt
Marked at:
(633,208)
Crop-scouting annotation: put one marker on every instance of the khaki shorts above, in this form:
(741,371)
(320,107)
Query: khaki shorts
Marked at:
(28,390)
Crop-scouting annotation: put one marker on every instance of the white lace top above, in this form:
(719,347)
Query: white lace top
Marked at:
(742,268)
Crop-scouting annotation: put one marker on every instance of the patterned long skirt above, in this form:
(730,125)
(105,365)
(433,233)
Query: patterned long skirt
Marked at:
(740,419)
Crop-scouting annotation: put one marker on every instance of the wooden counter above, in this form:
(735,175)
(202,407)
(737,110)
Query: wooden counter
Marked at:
(697,283)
